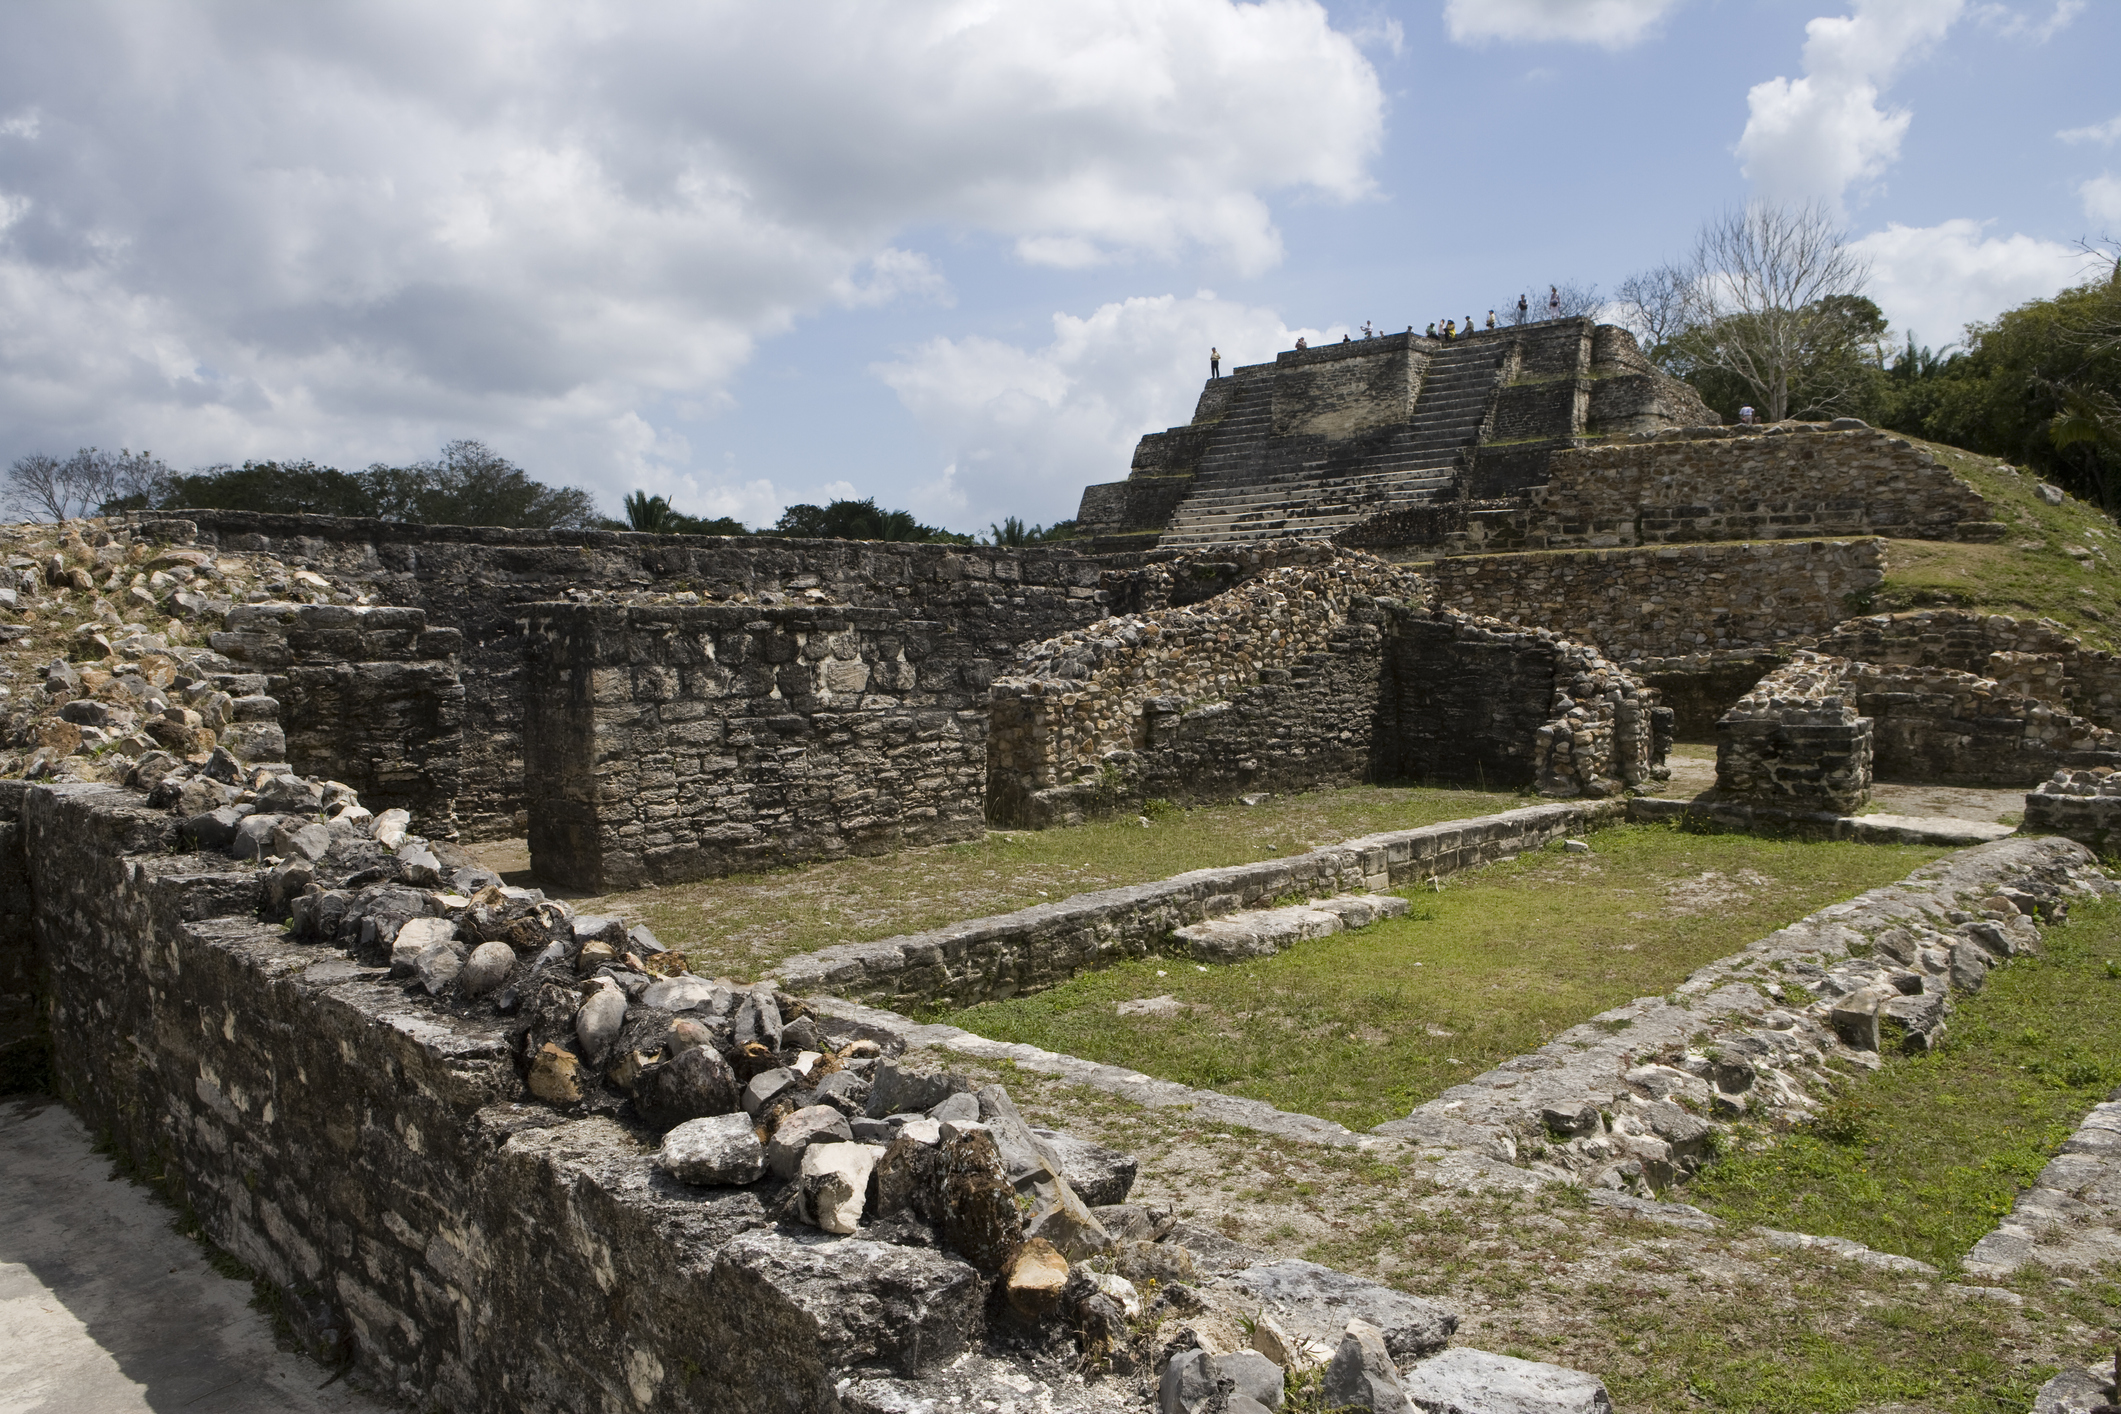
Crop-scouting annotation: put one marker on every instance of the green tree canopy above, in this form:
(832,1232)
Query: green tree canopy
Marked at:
(858,520)
(656,516)
(468,484)
(2039,386)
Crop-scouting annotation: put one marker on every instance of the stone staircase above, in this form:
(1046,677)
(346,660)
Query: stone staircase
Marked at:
(1243,491)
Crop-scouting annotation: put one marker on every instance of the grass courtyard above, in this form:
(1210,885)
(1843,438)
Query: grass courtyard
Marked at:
(744,923)
(1362,1026)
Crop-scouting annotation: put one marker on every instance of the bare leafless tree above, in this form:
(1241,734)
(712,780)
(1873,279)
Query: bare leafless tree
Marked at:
(1652,305)
(1767,288)
(85,483)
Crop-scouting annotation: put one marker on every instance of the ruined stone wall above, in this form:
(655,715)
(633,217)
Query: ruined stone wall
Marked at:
(369,696)
(1796,741)
(24,1039)
(2083,804)
(1789,481)
(2031,657)
(1275,677)
(374,1161)
(1306,676)
(1472,701)
(478,580)
(1669,601)
(1812,734)
(681,742)
(1954,728)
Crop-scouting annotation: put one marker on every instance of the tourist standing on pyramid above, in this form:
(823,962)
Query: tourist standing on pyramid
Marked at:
(1215,363)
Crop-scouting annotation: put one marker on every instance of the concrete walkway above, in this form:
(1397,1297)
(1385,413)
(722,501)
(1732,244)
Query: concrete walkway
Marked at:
(105,1310)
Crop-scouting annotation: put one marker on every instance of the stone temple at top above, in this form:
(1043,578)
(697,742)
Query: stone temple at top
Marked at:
(1386,441)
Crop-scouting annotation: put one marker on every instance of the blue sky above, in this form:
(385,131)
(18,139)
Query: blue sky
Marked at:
(955,255)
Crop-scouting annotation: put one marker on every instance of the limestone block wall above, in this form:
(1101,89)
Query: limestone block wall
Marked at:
(1812,733)
(680,742)
(1482,702)
(2031,657)
(1267,673)
(378,1164)
(370,696)
(480,579)
(1938,724)
(1671,600)
(2084,805)
(1796,741)
(1788,481)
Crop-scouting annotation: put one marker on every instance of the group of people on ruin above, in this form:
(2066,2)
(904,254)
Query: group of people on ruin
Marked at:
(1450,332)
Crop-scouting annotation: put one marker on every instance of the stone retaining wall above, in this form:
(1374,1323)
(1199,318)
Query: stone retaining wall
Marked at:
(1796,741)
(1138,704)
(2030,657)
(481,580)
(369,696)
(987,959)
(678,742)
(379,1166)
(1669,601)
(1788,481)
(2083,804)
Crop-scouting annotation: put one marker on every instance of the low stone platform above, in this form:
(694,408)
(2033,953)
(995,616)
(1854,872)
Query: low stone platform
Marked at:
(1866,829)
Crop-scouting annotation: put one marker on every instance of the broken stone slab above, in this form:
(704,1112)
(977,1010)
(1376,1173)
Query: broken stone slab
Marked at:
(1035,1279)
(1257,1378)
(1670,1214)
(439,964)
(1188,1384)
(767,1086)
(693,1084)
(901,1089)
(832,1183)
(1361,910)
(1099,1176)
(1363,1374)
(796,1308)
(1474,1382)
(681,993)
(2075,1391)
(1260,933)
(1316,1303)
(717,1150)
(1843,1248)
(798,1130)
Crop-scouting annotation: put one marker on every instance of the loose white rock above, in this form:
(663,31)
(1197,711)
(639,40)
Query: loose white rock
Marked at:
(721,1149)
(487,968)
(834,1183)
(390,828)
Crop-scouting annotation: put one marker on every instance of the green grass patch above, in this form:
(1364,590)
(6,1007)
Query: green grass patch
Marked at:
(2029,572)
(1363,1026)
(744,923)
(1926,1155)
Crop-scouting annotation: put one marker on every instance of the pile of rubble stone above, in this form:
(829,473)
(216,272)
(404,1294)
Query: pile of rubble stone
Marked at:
(102,667)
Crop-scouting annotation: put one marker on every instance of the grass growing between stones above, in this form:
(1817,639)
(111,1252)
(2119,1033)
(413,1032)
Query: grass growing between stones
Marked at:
(1363,1026)
(2030,572)
(1924,1157)
(744,923)
(1673,1321)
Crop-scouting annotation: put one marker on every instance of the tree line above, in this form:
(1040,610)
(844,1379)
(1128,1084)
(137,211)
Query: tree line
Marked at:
(1770,309)
(467,484)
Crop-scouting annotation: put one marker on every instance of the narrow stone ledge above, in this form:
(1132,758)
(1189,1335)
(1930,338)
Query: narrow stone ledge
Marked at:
(1865,829)
(987,959)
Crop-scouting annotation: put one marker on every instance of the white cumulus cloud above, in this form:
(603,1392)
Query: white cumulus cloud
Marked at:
(2106,134)
(1612,24)
(1935,280)
(349,230)
(2102,199)
(1815,136)
(1026,428)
